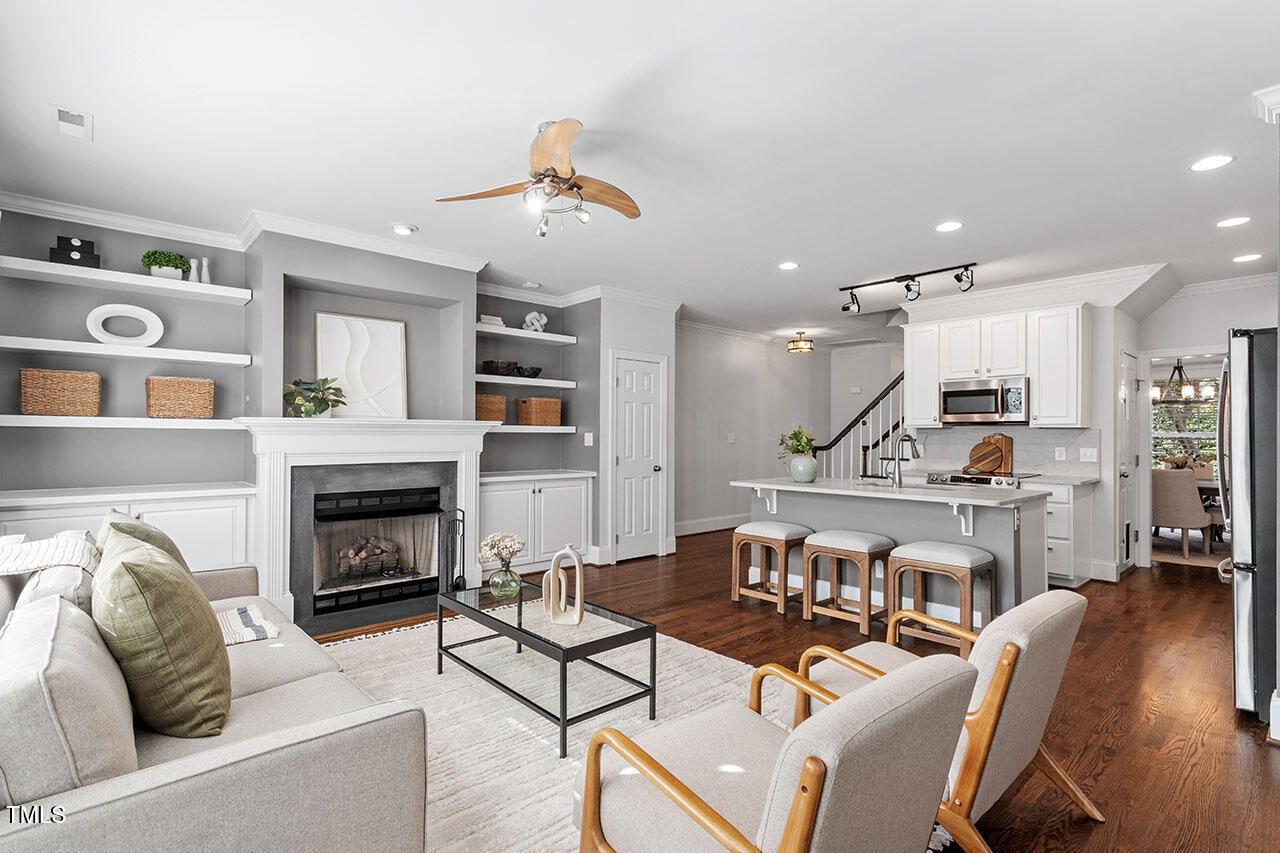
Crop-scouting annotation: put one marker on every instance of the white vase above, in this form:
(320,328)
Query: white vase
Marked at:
(167,272)
(205,277)
(804,469)
(195,270)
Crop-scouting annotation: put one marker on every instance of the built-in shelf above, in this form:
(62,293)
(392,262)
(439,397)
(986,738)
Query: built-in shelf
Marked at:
(128,282)
(520,380)
(525,335)
(532,429)
(12,342)
(41,498)
(116,423)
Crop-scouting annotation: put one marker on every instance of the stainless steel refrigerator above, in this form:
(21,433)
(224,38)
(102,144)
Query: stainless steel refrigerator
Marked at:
(1247,482)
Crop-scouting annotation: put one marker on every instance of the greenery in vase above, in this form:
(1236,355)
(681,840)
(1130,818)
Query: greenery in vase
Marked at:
(308,399)
(162,258)
(798,442)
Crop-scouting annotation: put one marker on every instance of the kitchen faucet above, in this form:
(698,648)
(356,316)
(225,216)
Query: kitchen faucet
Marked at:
(897,457)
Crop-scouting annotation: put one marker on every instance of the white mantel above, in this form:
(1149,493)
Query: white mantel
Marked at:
(281,443)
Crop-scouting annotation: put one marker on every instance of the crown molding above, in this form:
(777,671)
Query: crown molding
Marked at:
(725,332)
(533,297)
(618,295)
(1266,104)
(1227,285)
(1074,288)
(259,221)
(83,215)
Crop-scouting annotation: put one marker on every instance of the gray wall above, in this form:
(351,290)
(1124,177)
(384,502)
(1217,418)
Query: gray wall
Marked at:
(869,367)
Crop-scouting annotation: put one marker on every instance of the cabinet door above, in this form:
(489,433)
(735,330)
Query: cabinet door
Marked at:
(561,517)
(507,508)
(960,349)
(1004,345)
(209,533)
(1053,339)
(920,385)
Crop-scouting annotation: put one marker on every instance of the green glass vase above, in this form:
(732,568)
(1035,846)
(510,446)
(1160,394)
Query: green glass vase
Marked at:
(504,583)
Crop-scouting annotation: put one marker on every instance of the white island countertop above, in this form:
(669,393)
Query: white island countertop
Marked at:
(966,495)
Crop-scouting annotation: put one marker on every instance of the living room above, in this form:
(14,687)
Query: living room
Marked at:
(324,468)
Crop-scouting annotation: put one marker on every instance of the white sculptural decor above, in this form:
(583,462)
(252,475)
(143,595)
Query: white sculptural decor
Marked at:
(535,321)
(555,589)
(151,333)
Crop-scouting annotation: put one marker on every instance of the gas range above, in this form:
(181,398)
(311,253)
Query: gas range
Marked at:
(1003,481)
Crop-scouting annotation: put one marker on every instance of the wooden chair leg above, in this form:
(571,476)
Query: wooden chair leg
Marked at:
(1186,544)
(1046,765)
(963,831)
(1207,533)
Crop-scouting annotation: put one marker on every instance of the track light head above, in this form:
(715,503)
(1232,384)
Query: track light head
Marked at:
(964,279)
(852,304)
(913,290)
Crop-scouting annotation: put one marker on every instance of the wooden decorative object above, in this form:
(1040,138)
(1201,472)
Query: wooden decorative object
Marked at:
(179,397)
(491,407)
(67,393)
(992,455)
(555,588)
(538,411)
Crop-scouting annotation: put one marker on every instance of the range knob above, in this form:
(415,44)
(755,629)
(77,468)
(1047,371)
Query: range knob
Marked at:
(999,481)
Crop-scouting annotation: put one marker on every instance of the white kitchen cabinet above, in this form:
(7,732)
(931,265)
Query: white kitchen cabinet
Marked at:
(547,512)
(1069,529)
(960,349)
(920,365)
(1004,345)
(1057,346)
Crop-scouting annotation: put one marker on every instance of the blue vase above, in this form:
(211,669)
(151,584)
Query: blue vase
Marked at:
(804,469)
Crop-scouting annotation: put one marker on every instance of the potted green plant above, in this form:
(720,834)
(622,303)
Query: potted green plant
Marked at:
(311,399)
(165,264)
(797,446)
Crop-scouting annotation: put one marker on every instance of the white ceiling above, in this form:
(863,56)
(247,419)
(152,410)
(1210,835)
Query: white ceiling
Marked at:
(834,134)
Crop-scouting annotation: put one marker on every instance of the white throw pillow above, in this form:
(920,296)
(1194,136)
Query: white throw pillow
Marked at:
(68,548)
(71,582)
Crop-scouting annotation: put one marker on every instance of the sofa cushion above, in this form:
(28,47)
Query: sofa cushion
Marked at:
(71,582)
(293,704)
(160,629)
(119,522)
(67,720)
(264,664)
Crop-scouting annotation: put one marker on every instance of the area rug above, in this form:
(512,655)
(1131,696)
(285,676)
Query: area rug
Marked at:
(1167,548)
(495,781)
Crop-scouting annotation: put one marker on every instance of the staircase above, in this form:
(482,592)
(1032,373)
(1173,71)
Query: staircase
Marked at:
(867,442)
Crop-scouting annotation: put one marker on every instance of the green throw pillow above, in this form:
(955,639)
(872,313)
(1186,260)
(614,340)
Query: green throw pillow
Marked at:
(163,634)
(119,522)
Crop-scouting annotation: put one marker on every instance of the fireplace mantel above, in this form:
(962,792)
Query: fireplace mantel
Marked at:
(281,443)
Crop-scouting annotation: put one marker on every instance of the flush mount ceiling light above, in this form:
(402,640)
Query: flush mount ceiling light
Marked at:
(1213,161)
(788,265)
(531,285)
(852,304)
(402,229)
(949,225)
(1244,259)
(1233,221)
(799,344)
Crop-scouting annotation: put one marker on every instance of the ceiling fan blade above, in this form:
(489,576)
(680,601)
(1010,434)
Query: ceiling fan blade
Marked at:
(509,189)
(598,192)
(550,148)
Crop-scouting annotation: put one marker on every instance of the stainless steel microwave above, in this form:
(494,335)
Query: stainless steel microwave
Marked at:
(985,401)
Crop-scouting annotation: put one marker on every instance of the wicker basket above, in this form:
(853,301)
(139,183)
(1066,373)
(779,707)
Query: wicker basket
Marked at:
(491,407)
(60,392)
(538,411)
(179,397)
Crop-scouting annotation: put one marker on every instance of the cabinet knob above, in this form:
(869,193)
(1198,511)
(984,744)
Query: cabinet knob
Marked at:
(935,417)
(988,370)
(975,370)
(1035,417)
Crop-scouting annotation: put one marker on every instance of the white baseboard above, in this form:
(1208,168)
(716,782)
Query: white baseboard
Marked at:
(671,545)
(1104,570)
(599,556)
(715,522)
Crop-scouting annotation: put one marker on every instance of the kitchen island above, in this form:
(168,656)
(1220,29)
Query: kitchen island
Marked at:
(1010,523)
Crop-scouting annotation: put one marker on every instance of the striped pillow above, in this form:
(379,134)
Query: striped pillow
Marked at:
(244,625)
(69,548)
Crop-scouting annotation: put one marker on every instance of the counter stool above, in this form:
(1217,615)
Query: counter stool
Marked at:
(774,538)
(864,550)
(960,562)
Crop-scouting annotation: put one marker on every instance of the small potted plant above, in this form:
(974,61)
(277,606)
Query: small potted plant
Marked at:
(797,445)
(312,399)
(166,264)
(502,547)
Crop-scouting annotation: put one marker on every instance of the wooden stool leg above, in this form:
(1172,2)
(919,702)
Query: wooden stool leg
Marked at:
(864,596)
(892,589)
(807,591)
(966,614)
(917,590)
(735,572)
(766,554)
(784,587)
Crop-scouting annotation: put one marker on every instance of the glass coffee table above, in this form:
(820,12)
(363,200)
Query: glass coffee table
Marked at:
(521,621)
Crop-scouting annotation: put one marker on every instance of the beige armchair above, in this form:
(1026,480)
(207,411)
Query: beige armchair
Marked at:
(1020,657)
(864,775)
(1175,502)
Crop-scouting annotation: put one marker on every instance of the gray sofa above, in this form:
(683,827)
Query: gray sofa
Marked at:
(306,761)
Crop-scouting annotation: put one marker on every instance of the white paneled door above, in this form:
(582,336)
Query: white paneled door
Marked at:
(637,442)
(1126,426)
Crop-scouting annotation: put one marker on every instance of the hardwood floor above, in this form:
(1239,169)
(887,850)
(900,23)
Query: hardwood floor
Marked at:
(1144,721)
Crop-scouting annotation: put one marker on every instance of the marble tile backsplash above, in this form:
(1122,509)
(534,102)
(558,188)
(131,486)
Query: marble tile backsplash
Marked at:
(947,449)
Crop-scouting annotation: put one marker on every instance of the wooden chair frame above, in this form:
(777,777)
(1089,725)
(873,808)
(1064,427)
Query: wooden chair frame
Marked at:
(764,589)
(796,835)
(859,611)
(955,814)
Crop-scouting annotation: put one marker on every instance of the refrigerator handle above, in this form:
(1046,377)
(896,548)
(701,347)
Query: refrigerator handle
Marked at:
(1225,570)
(1224,444)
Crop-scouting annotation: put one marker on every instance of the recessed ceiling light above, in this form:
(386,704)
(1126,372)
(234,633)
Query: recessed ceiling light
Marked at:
(402,229)
(1233,221)
(1244,259)
(1213,161)
(949,225)
(531,285)
(788,265)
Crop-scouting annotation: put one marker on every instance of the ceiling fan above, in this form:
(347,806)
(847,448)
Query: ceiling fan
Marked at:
(553,177)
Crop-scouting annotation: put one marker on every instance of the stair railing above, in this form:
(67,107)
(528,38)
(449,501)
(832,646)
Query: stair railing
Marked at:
(848,454)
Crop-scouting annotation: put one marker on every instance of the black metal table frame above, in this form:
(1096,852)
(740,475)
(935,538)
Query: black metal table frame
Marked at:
(562,656)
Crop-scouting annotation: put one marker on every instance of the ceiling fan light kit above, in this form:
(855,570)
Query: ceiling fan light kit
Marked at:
(553,177)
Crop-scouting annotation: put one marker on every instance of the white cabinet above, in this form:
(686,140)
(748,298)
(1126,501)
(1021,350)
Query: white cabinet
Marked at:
(920,365)
(547,513)
(1056,348)
(960,349)
(1069,532)
(1004,345)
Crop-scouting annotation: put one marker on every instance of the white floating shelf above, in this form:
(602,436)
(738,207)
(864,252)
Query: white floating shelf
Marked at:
(532,429)
(11,342)
(129,282)
(116,423)
(525,335)
(520,380)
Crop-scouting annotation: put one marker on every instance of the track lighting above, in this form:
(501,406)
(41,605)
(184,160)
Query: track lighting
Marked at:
(963,275)
(544,225)
(964,279)
(852,304)
(913,290)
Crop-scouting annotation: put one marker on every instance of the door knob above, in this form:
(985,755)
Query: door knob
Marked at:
(1124,475)
(657,467)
